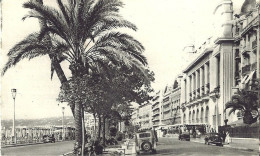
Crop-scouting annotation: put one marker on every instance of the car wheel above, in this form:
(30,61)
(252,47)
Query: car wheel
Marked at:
(137,153)
(153,151)
(146,146)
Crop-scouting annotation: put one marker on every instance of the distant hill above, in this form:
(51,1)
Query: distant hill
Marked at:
(68,120)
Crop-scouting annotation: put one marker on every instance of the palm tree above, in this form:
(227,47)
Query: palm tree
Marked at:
(84,31)
(245,101)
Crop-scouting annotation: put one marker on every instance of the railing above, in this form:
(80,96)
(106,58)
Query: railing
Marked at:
(244,29)
(156,112)
(254,66)
(254,44)
(156,118)
(166,99)
(246,69)
(245,51)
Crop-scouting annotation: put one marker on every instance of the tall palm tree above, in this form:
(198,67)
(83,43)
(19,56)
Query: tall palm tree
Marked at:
(245,101)
(84,30)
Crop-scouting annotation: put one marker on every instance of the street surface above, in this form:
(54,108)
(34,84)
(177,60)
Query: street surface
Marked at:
(52,149)
(172,146)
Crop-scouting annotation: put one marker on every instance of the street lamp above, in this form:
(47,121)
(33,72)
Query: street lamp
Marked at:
(63,134)
(14,132)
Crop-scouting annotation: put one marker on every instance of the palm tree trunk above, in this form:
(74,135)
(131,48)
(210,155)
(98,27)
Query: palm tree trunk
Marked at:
(78,125)
(83,132)
(95,121)
(99,127)
(104,131)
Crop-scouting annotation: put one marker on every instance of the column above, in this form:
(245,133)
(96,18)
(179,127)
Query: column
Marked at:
(201,81)
(188,87)
(192,85)
(206,71)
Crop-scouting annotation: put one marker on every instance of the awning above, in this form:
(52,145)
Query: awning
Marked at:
(249,77)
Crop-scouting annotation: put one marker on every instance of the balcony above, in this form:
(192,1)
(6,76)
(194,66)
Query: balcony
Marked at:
(249,26)
(155,118)
(254,44)
(253,66)
(156,113)
(245,51)
(246,69)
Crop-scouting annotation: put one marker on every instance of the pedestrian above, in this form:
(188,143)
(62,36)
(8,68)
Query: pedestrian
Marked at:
(224,135)
(227,137)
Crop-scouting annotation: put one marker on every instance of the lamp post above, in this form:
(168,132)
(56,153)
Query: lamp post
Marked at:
(14,132)
(63,134)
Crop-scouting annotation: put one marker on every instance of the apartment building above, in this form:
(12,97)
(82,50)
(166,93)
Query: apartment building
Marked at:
(170,109)
(145,116)
(156,108)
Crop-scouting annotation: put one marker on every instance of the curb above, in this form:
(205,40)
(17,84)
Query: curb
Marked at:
(228,146)
(17,145)
(29,144)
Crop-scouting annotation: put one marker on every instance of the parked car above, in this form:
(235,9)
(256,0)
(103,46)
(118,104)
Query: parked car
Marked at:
(48,138)
(213,138)
(145,141)
(184,136)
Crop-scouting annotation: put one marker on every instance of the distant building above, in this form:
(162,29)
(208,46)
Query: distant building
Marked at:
(171,104)
(145,116)
(156,108)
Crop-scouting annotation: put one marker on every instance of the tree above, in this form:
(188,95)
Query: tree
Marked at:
(102,94)
(85,29)
(245,101)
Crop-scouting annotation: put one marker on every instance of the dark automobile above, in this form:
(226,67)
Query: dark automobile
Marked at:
(48,138)
(213,138)
(184,136)
(145,141)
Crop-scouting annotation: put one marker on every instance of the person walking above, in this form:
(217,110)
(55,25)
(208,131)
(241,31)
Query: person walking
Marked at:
(227,137)
(224,136)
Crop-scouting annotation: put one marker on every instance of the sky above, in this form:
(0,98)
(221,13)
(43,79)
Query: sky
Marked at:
(164,28)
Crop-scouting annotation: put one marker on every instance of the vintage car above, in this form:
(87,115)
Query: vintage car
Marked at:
(213,138)
(145,141)
(48,138)
(184,136)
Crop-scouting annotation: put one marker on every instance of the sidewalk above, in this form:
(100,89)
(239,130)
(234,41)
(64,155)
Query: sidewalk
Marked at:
(248,144)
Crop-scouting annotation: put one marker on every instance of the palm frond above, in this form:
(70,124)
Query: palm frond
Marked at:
(64,11)
(52,17)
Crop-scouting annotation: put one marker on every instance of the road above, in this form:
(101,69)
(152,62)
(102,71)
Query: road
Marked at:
(172,146)
(49,149)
